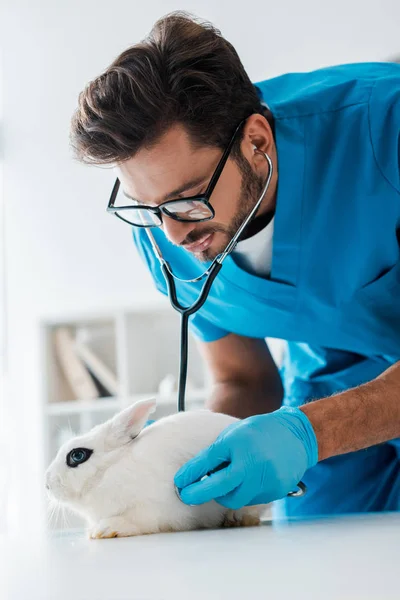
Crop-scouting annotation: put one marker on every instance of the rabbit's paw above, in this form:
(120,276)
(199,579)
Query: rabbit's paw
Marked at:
(244,517)
(111,528)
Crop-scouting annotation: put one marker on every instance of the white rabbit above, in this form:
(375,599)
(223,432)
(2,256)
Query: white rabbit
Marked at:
(119,476)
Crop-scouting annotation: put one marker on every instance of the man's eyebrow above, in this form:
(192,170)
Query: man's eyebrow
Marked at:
(183,188)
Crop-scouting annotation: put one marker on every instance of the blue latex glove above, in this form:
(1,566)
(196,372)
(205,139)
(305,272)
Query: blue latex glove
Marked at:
(267,455)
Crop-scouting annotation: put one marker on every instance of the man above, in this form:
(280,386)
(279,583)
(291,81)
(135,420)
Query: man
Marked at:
(318,266)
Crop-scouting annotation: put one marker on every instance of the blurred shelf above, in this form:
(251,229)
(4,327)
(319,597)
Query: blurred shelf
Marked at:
(79,406)
(105,404)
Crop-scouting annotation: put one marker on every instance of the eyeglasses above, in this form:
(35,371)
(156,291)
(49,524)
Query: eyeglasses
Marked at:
(191,209)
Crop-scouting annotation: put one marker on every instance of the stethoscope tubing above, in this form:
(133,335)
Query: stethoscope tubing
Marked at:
(186,311)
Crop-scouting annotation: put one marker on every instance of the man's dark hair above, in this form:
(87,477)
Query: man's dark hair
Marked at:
(185,73)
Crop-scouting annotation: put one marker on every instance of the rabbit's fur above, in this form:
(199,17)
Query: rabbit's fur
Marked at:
(126,485)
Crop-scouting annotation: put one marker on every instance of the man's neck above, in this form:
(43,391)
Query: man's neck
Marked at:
(257,225)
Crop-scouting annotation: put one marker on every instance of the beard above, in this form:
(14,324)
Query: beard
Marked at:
(250,191)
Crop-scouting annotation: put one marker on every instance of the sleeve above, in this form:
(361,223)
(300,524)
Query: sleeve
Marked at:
(204,330)
(199,325)
(384,121)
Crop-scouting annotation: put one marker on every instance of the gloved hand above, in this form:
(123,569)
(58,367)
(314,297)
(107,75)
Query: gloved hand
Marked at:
(267,455)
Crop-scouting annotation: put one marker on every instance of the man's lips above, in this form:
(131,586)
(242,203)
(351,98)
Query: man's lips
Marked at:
(201,245)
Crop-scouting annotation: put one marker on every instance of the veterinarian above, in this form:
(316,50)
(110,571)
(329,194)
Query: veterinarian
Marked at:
(318,266)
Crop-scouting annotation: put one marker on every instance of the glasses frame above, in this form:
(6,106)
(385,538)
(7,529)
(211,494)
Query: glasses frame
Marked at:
(159,210)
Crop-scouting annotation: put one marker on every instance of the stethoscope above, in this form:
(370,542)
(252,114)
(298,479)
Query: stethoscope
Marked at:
(187,311)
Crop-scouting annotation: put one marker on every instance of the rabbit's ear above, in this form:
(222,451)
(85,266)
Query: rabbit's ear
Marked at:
(129,422)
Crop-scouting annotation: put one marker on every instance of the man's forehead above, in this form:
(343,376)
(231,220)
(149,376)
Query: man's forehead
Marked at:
(165,170)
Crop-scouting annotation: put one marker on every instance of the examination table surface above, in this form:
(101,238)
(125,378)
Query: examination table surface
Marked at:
(346,558)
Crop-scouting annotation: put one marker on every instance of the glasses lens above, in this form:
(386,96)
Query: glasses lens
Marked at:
(191,210)
(140,217)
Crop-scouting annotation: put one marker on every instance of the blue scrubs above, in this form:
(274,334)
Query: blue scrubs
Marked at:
(334,289)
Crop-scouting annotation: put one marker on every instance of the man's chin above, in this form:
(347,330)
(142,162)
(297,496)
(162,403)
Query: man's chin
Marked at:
(204,256)
(208,255)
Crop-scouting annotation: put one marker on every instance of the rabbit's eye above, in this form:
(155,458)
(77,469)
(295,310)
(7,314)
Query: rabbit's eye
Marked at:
(77,456)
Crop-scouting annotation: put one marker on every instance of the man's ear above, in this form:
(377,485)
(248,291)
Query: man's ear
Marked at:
(128,423)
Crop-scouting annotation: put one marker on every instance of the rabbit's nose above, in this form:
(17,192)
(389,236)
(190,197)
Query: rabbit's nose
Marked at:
(47,481)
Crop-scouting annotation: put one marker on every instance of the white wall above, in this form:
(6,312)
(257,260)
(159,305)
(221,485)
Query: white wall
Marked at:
(63,252)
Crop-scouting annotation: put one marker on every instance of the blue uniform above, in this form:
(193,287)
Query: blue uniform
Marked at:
(334,289)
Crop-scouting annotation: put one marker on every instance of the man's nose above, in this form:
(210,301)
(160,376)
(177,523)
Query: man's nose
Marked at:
(176,231)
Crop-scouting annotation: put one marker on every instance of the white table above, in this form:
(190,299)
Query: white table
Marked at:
(351,558)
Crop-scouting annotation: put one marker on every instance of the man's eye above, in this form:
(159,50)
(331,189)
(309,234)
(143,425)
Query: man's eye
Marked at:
(196,195)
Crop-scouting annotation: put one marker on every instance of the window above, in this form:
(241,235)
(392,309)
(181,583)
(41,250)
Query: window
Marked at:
(4,464)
